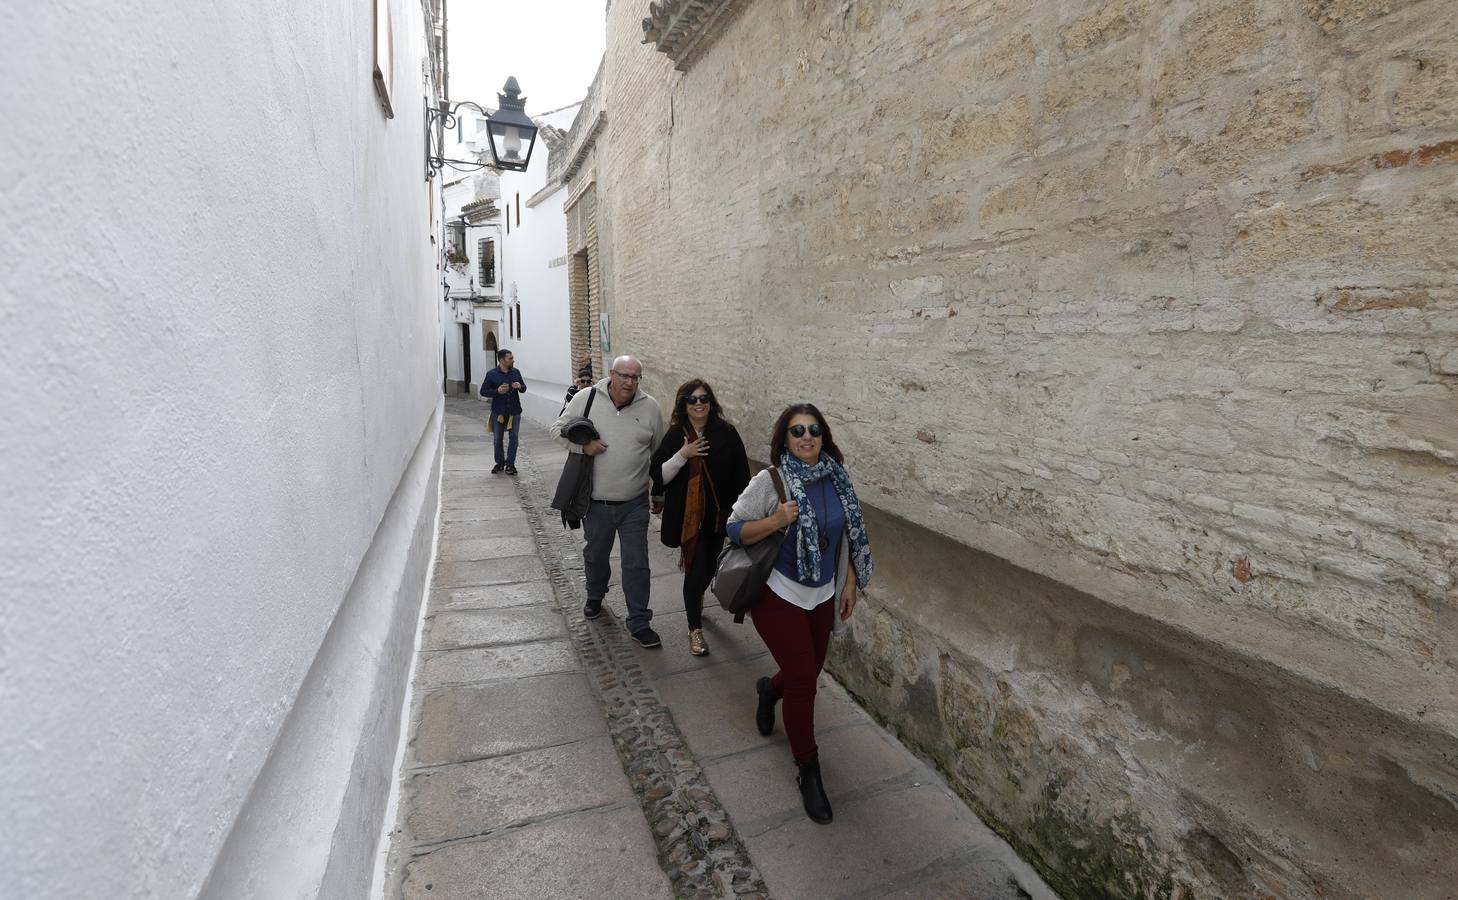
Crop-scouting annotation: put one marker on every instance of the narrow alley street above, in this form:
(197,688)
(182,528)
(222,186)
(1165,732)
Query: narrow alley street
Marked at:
(548,756)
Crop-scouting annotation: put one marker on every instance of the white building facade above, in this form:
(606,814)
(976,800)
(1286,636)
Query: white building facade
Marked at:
(220,480)
(471,325)
(535,301)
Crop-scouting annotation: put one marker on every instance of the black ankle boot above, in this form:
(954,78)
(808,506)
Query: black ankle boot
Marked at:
(812,791)
(764,716)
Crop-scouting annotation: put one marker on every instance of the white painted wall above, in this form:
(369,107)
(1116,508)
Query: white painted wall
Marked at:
(536,240)
(221,356)
(472,301)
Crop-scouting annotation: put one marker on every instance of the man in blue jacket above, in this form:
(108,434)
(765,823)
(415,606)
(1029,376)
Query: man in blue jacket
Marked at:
(502,384)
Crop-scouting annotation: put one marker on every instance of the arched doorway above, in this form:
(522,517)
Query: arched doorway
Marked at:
(465,358)
(488,343)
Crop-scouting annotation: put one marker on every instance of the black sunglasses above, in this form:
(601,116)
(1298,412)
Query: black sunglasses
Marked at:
(799,430)
(696,399)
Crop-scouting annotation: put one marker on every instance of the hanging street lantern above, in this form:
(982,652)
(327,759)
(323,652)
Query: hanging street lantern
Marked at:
(513,134)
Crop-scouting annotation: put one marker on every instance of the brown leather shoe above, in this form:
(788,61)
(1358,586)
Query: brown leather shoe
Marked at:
(697,646)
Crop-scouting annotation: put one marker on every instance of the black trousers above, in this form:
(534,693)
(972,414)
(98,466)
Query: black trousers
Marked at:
(700,573)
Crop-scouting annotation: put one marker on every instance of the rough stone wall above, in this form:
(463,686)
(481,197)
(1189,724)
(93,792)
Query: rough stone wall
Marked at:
(1148,311)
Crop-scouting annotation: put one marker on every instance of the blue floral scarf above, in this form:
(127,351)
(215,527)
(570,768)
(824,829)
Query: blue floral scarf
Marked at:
(807,549)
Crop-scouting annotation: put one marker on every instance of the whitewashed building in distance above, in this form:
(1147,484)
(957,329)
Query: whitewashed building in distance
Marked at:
(471,323)
(535,290)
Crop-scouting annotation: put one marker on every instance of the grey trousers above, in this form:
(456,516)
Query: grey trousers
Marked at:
(629,521)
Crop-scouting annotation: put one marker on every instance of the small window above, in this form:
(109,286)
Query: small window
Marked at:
(487,248)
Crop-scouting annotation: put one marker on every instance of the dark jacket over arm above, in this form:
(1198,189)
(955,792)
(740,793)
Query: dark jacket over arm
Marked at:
(574,487)
(727,467)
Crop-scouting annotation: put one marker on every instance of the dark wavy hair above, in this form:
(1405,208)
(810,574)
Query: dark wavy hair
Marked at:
(782,429)
(680,418)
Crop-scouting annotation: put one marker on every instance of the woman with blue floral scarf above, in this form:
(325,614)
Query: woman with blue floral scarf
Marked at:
(811,590)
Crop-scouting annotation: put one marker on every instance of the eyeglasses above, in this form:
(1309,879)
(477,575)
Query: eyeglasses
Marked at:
(696,399)
(799,430)
(627,377)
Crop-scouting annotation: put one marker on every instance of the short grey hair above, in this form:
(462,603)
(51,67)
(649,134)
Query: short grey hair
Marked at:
(625,358)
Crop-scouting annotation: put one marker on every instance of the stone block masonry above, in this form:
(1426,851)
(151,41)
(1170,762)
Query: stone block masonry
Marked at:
(1144,314)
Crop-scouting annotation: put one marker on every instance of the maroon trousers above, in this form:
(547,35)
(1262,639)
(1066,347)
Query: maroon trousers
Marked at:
(797,639)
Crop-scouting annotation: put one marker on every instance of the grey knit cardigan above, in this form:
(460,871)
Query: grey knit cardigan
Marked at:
(758,501)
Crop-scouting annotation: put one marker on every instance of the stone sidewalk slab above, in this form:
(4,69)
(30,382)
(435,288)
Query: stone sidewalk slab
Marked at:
(482,514)
(471,548)
(491,596)
(758,786)
(979,873)
(873,842)
(478,572)
(479,797)
(472,529)
(443,669)
(458,724)
(457,629)
(714,707)
(593,855)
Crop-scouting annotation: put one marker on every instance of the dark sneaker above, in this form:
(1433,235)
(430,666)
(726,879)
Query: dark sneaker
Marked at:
(647,637)
(511,470)
(497,468)
(592,608)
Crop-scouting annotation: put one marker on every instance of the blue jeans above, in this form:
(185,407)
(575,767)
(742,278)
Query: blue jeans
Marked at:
(498,434)
(628,520)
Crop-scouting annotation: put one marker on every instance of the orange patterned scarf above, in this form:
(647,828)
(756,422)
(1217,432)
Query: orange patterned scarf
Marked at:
(693,504)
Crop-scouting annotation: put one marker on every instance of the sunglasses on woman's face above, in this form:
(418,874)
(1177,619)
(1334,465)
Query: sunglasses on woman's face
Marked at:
(696,399)
(799,430)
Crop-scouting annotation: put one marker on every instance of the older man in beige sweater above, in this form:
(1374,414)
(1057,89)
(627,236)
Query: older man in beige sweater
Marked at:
(630,424)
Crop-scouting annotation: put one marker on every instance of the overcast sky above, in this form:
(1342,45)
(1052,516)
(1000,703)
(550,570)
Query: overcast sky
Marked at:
(551,46)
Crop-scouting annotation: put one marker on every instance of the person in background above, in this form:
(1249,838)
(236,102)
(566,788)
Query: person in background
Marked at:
(583,379)
(502,385)
(629,422)
(702,467)
(824,559)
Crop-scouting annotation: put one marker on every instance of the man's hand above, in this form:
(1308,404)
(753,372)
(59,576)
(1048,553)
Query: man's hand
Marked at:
(516,384)
(503,389)
(848,597)
(655,505)
(594,448)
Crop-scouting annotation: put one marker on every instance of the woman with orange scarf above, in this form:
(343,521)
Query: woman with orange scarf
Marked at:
(702,467)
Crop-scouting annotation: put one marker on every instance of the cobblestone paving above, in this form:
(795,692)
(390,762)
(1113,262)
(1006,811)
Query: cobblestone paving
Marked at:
(697,844)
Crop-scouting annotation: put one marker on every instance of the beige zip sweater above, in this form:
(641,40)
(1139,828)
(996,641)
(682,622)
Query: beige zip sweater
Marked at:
(631,433)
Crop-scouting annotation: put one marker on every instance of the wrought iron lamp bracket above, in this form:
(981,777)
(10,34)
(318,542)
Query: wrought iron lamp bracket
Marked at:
(437,120)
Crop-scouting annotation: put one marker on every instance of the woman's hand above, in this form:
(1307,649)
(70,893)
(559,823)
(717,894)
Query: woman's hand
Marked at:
(692,449)
(848,598)
(759,529)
